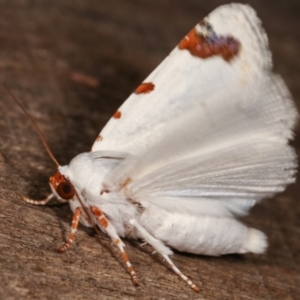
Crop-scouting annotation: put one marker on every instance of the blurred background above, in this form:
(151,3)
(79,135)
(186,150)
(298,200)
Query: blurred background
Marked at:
(72,64)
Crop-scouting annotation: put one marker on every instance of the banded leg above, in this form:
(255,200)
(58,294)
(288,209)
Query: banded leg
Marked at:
(110,230)
(74,227)
(180,274)
(38,202)
(163,251)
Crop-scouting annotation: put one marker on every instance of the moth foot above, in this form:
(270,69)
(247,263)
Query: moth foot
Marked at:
(64,247)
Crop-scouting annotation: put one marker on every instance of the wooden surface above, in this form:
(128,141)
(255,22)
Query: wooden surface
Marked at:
(47,50)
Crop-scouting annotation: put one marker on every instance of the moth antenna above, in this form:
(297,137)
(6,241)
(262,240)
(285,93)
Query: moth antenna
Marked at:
(34,125)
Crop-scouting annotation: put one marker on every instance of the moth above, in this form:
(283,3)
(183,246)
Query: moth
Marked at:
(197,144)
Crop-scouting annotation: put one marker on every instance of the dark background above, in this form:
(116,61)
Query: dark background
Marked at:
(47,50)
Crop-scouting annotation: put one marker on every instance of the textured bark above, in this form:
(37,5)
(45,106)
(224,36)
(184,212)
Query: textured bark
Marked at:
(72,63)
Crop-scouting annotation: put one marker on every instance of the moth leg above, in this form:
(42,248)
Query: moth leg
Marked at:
(110,230)
(143,244)
(180,274)
(163,250)
(38,202)
(74,226)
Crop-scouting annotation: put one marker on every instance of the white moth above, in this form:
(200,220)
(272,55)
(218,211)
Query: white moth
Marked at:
(202,140)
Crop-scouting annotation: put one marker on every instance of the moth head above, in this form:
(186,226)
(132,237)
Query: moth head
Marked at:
(62,187)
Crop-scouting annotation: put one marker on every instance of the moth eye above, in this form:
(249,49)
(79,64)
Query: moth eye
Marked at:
(65,190)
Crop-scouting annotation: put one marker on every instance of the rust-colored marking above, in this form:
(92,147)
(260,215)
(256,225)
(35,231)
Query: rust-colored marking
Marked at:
(56,179)
(103,222)
(117,241)
(99,214)
(99,138)
(212,45)
(84,79)
(144,88)
(74,226)
(117,114)
(96,211)
(125,257)
(130,268)
(195,288)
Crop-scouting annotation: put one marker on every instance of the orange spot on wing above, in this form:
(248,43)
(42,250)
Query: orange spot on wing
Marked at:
(212,45)
(145,88)
(117,114)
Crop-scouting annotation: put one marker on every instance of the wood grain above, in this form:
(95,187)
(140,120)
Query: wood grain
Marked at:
(72,63)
